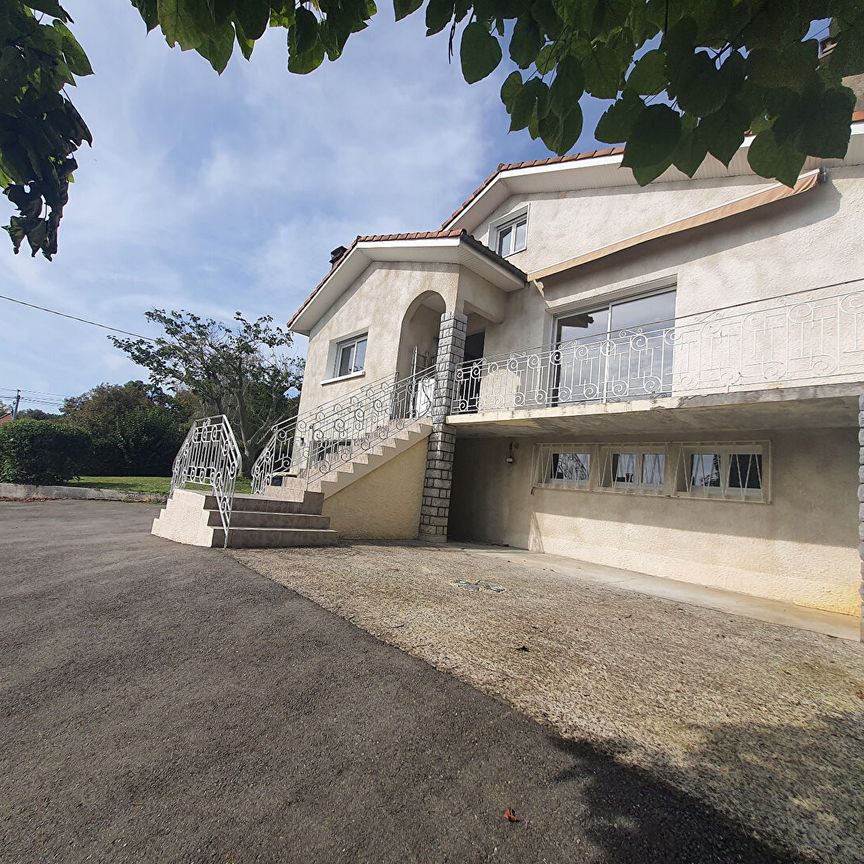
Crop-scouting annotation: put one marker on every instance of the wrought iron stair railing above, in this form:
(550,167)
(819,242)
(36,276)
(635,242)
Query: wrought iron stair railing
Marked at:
(209,457)
(316,442)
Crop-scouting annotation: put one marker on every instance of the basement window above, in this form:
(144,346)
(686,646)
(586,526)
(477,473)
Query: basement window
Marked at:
(634,469)
(735,472)
(564,467)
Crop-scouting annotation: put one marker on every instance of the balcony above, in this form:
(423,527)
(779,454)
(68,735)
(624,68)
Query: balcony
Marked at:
(785,345)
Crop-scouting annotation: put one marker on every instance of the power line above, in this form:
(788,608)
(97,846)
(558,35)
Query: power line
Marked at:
(76,318)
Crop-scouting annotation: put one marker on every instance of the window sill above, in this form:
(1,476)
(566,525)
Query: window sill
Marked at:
(336,380)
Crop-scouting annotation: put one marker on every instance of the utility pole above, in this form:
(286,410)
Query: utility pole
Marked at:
(17,403)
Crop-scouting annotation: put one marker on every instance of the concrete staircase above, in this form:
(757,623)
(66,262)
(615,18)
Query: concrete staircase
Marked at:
(359,465)
(256,522)
(286,515)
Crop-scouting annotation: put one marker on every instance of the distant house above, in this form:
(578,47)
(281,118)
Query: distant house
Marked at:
(5,418)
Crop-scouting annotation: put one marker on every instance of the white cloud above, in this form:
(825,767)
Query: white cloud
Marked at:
(215,194)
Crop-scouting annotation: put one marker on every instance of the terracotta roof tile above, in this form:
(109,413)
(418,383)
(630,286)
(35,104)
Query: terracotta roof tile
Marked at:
(440,234)
(512,166)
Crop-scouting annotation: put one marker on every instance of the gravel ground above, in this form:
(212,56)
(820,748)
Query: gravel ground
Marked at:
(161,703)
(762,722)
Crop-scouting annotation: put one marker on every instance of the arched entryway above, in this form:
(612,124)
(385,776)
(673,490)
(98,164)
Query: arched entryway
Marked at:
(418,339)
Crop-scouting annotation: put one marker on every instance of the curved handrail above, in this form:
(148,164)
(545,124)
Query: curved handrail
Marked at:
(209,456)
(315,442)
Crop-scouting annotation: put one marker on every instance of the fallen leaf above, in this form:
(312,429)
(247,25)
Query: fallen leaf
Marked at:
(859,694)
(510,816)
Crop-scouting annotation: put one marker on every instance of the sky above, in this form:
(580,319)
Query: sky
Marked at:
(222,193)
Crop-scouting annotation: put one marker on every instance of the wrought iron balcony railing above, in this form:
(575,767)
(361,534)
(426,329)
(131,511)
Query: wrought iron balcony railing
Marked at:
(316,442)
(808,337)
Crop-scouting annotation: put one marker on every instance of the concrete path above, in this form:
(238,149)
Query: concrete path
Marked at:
(163,703)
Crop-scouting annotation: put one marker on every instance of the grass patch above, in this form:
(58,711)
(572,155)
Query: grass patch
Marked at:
(159,485)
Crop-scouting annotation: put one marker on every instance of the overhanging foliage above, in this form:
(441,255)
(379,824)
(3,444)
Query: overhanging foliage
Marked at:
(688,77)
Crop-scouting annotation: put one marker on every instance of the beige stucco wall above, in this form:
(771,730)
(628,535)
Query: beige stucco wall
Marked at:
(375,304)
(801,548)
(384,504)
(805,242)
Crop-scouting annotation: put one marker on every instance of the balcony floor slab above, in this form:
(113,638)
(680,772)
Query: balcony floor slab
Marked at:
(811,407)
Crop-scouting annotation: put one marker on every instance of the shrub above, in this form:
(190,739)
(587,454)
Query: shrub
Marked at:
(140,442)
(40,452)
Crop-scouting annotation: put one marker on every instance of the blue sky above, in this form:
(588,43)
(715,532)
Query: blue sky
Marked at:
(218,193)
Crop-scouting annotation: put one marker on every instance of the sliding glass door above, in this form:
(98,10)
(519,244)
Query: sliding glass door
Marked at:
(621,350)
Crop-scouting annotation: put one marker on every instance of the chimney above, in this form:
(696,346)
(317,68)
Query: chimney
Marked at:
(336,254)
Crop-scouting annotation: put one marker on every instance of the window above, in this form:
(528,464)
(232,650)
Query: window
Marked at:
(728,471)
(564,467)
(732,472)
(512,236)
(621,350)
(633,469)
(350,356)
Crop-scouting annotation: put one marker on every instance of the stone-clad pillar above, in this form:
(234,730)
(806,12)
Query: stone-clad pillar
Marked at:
(439,455)
(861,503)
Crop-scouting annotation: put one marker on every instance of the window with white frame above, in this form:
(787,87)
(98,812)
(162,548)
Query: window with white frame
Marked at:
(731,472)
(639,469)
(350,356)
(564,466)
(512,236)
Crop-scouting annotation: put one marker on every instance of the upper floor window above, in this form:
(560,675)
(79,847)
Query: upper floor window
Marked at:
(511,237)
(351,356)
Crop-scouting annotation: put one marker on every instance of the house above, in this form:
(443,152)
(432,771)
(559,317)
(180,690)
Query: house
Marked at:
(665,378)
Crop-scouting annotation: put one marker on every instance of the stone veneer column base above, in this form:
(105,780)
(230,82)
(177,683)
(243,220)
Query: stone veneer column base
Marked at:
(435,507)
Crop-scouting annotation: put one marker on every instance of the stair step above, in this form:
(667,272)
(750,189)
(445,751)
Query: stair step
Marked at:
(310,505)
(275,537)
(269,519)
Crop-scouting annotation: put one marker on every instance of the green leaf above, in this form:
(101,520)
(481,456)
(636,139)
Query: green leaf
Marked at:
(253,16)
(690,152)
(49,7)
(649,74)
(723,131)
(603,72)
(645,174)
(479,52)
(545,61)
(568,86)
(403,8)
(510,89)
(792,66)
(184,22)
(531,103)
(616,124)
(305,31)
(768,158)
(847,58)
(526,41)
(699,86)
(217,46)
(438,14)
(560,134)
(76,59)
(653,138)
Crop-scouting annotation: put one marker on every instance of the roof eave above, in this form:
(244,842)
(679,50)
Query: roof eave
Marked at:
(461,249)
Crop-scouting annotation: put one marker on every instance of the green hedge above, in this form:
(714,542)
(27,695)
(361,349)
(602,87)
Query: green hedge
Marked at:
(43,453)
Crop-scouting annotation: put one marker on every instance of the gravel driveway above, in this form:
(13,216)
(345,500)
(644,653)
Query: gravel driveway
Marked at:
(762,722)
(160,703)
